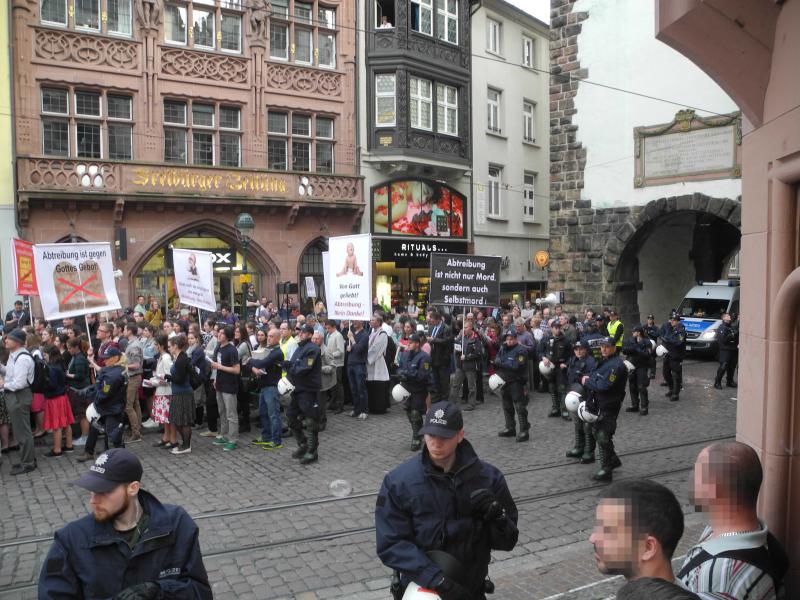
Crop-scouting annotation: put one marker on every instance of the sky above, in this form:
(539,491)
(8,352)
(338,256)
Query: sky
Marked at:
(538,8)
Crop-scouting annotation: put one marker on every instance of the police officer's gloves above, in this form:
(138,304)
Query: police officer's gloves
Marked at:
(485,506)
(148,590)
(450,590)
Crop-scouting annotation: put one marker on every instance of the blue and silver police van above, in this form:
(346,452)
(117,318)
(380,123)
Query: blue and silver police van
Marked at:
(701,312)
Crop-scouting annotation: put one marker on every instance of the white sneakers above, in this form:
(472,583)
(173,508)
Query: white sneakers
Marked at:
(150,424)
(81,441)
(363,416)
(181,450)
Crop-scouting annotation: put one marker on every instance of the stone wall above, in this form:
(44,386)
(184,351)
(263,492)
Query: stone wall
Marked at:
(587,244)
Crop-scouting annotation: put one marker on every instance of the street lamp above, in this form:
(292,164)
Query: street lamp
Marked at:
(245,225)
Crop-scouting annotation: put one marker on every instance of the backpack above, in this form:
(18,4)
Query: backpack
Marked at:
(195,380)
(391,352)
(40,378)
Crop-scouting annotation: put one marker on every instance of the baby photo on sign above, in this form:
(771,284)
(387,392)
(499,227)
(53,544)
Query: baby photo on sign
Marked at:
(350,262)
(192,260)
(79,288)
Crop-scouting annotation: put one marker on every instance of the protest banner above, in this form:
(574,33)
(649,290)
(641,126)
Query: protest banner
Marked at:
(194,278)
(24,268)
(75,279)
(464,280)
(311,288)
(348,277)
(326,280)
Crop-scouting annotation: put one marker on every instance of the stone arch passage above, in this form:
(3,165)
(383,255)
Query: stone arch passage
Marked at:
(664,248)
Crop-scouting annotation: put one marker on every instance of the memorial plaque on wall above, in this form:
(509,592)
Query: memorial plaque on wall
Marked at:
(465,280)
(690,148)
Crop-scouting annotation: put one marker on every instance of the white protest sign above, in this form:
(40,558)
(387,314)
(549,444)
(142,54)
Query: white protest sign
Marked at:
(326,280)
(75,279)
(194,278)
(311,289)
(348,276)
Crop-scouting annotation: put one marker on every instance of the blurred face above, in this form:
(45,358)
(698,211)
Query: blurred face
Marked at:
(511,341)
(191,339)
(108,506)
(607,350)
(176,327)
(468,327)
(408,329)
(45,336)
(317,338)
(261,337)
(520,327)
(103,332)
(285,332)
(374,323)
(580,352)
(442,449)
(702,491)
(273,337)
(612,538)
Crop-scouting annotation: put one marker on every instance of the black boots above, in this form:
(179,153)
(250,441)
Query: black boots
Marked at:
(415,418)
(312,429)
(522,417)
(605,472)
(644,402)
(300,438)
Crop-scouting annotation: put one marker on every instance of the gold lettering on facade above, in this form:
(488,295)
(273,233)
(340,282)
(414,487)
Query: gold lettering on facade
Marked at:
(193,181)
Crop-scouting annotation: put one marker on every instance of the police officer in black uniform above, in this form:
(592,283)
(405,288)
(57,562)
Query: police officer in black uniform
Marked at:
(728,340)
(511,364)
(607,387)
(558,353)
(673,338)
(108,395)
(592,336)
(416,375)
(305,373)
(651,330)
(582,363)
(639,350)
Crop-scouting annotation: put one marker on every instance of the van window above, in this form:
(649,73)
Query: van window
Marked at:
(703,308)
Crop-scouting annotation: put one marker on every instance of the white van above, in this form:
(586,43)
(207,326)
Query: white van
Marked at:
(701,312)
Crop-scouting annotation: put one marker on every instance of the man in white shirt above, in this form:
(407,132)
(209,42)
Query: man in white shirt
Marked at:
(18,376)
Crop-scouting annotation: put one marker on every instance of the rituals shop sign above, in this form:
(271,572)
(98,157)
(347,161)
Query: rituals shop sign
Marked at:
(412,253)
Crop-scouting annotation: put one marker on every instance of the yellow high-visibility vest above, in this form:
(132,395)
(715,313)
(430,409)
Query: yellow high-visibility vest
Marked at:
(612,331)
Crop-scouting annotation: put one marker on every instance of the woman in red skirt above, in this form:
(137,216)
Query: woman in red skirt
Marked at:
(58,416)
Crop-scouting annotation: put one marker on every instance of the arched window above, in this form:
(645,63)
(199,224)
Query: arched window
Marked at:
(311,266)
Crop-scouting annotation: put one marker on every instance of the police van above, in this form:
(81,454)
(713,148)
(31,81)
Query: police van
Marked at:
(701,312)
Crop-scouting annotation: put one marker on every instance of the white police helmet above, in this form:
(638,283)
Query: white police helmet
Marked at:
(93,416)
(416,592)
(572,400)
(285,386)
(629,365)
(653,344)
(584,414)
(496,382)
(538,334)
(399,393)
(661,351)
(545,368)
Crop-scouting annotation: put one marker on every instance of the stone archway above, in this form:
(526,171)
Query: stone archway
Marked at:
(706,227)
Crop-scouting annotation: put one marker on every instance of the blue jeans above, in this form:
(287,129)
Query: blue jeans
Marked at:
(269,412)
(357,375)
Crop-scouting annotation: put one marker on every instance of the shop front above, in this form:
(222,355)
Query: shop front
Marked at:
(410,219)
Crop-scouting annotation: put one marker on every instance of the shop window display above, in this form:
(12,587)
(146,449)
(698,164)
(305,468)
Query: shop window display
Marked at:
(418,208)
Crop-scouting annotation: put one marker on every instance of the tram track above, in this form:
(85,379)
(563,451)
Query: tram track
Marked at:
(267,508)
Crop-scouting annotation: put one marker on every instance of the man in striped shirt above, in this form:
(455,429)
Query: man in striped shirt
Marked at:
(736,558)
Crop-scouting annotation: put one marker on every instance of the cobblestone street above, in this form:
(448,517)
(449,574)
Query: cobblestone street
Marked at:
(269,528)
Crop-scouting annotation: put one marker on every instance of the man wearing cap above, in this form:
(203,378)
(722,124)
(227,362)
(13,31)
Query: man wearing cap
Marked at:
(511,364)
(416,375)
(18,375)
(673,338)
(131,547)
(592,336)
(651,331)
(108,395)
(444,499)
(305,373)
(582,363)
(606,385)
(639,350)
(557,353)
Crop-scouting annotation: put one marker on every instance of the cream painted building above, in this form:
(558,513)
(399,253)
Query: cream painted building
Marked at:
(510,158)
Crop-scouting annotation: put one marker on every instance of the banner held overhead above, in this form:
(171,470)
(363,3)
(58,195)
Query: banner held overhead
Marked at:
(75,279)
(194,278)
(24,271)
(465,280)
(348,277)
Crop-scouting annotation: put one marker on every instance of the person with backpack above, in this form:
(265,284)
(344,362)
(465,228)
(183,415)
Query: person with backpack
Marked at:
(19,374)
(737,557)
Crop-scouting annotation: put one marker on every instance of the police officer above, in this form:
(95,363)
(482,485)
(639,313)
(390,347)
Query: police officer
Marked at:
(607,386)
(444,500)
(651,331)
(728,340)
(511,365)
(582,363)
(416,375)
(305,373)
(592,337)
(557,353)
(673,337)
(131,547)
(639,350)
(108,394)
(615,328)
